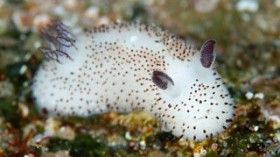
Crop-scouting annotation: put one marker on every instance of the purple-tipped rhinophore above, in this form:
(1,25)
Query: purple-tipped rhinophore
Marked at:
(161,79)
(207,53)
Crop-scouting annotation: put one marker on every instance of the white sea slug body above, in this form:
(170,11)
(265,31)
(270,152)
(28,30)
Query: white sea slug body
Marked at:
(132,67)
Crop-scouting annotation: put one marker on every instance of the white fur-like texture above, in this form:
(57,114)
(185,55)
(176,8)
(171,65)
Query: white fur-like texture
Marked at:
(111,70)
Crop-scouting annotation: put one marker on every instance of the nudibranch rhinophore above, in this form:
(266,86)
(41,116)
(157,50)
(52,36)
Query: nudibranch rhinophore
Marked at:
(125,67)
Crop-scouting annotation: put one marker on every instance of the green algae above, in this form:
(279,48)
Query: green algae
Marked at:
(9,111)
(82,145)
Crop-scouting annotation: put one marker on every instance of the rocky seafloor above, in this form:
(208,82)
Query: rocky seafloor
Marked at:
(248,54)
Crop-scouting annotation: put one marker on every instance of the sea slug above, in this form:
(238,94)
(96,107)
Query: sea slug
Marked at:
(127,67)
